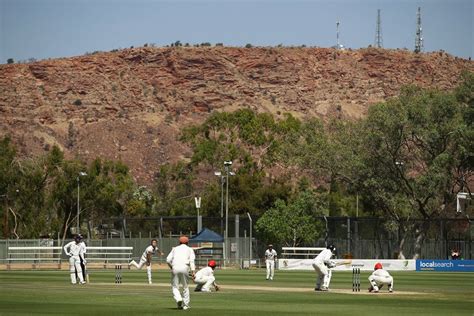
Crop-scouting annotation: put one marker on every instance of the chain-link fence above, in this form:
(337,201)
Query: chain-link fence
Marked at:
(364,238)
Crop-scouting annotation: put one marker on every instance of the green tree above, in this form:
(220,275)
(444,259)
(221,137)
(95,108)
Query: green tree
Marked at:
(8,179)
(412,153)
(293,223)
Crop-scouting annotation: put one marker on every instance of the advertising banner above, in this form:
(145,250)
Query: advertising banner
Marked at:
(445,265)
(348,264)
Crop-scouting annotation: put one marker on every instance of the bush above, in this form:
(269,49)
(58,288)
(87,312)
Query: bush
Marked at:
(78,102)
(248,45)
(10,61)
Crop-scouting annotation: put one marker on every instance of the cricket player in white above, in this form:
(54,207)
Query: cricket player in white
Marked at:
(146,258)
(270,257)
(205,278)
(322,265)
(181,261)
(379,278)
(74,250)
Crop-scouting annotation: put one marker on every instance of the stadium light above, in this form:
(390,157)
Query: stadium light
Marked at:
(250,243)
(227,165)
(81,174)
(219,174)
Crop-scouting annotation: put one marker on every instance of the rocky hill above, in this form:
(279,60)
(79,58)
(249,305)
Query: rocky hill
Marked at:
(131,104)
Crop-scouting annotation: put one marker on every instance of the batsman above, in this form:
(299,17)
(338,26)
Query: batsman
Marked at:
(76,250)
(323,264)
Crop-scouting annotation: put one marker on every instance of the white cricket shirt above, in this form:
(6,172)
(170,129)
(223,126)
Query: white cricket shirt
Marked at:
(182,255)
(204,272)
(75,249)
(323,256)
(148,250)
(270,255)
(381,273)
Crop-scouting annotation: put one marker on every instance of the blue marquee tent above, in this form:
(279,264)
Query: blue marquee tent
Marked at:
(207,235)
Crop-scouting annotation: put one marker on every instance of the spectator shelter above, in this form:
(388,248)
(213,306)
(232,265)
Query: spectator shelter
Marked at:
(207,245)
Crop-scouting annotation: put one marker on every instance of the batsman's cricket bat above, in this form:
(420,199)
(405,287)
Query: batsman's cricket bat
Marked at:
(343,263)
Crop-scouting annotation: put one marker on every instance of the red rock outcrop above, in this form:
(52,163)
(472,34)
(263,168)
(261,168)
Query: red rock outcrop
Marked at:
(131,104)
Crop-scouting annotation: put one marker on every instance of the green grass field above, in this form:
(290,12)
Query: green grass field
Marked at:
(243,293)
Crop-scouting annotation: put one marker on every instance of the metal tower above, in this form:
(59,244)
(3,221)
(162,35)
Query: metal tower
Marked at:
(338,44)
(419,35)
(378,31)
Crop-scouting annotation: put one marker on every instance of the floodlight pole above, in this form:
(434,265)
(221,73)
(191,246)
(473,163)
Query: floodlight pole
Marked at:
(227,164)
(222,178)
(250,243)
(78,198)
(222,203)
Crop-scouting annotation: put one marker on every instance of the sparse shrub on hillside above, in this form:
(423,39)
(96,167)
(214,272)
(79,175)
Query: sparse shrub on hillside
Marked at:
(71,135)
(273,99)
(248,45)
(77,102)
(219,44)
(169,119)
(10,61)
(205,44)
(186,45)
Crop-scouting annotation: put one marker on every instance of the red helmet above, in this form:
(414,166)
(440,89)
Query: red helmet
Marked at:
(211,264)
(378,265)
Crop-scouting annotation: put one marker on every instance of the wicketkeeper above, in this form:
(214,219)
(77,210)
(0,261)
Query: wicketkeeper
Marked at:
(270,257)
(379,278)
(146,258)
(75,249)
(205,278)
(323,264)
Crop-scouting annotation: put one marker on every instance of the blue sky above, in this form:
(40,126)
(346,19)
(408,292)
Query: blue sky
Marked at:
(60,28)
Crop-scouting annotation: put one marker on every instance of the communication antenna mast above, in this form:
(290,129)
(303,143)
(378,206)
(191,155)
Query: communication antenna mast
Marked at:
(338,44)
(419,35)
(378,31)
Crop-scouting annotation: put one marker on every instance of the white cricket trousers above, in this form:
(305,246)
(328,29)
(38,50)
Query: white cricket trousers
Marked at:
(324,275)
(140,265)
(270,269)
(180,276)
(75,265)
(377,281)
(204,283)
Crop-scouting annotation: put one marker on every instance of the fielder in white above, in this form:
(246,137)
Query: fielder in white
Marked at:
(379,278)
(146,258)
(322,265)
(75,250)
(205,278)
(270,257)
(181,261)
